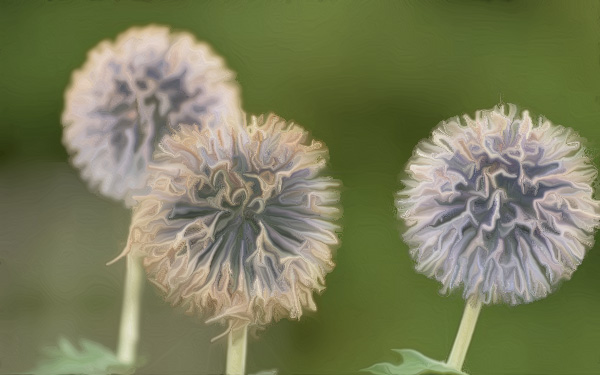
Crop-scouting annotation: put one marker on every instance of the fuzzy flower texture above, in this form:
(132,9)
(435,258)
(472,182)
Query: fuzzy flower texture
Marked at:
(499,205)
(123,99)
(239,225)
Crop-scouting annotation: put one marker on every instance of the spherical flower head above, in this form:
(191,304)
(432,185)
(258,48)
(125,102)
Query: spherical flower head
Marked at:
(121,102)
(239,225)
(499,205)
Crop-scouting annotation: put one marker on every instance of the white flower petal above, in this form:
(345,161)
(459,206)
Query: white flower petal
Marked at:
(239,225)
(127,94)
(500,206)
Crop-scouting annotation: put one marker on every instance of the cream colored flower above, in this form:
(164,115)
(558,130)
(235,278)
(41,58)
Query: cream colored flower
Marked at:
(499,205)
(239,225)
(121,102)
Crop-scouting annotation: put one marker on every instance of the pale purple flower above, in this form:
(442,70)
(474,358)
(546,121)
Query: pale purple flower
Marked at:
(121,102)
(499,205)
(240,224)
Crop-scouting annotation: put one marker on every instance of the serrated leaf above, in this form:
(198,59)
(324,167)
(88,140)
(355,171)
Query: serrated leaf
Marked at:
(412,363)
(92,359)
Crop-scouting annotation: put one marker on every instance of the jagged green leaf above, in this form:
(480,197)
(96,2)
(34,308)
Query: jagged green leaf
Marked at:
(92,359)
(412,363)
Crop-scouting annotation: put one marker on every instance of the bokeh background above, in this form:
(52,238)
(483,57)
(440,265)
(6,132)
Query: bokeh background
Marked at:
(370,79)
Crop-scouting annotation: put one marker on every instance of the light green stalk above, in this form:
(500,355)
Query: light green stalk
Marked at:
(236,351)
(464,335)
(130,314)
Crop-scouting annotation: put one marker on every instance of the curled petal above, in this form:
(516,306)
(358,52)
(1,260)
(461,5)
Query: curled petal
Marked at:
(240,224)
(500,206)
(127,94)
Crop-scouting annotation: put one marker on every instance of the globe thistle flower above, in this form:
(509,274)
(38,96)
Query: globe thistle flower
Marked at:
(122,100)
(239,225)
(499,205)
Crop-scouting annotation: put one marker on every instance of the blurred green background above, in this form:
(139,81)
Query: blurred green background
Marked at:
(370,79)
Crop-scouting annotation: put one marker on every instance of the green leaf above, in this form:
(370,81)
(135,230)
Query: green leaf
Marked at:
(412,363)
(92,359)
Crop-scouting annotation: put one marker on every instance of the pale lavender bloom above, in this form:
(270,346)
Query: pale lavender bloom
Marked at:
(121,102)
(499,205)
(239,225)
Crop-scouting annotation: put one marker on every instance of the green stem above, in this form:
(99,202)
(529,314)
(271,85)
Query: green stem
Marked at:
(130,314)
(464,335)
(236,351)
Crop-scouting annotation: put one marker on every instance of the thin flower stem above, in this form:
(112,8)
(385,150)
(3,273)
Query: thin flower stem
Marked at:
(130,314)
(236,351)
(464,335)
